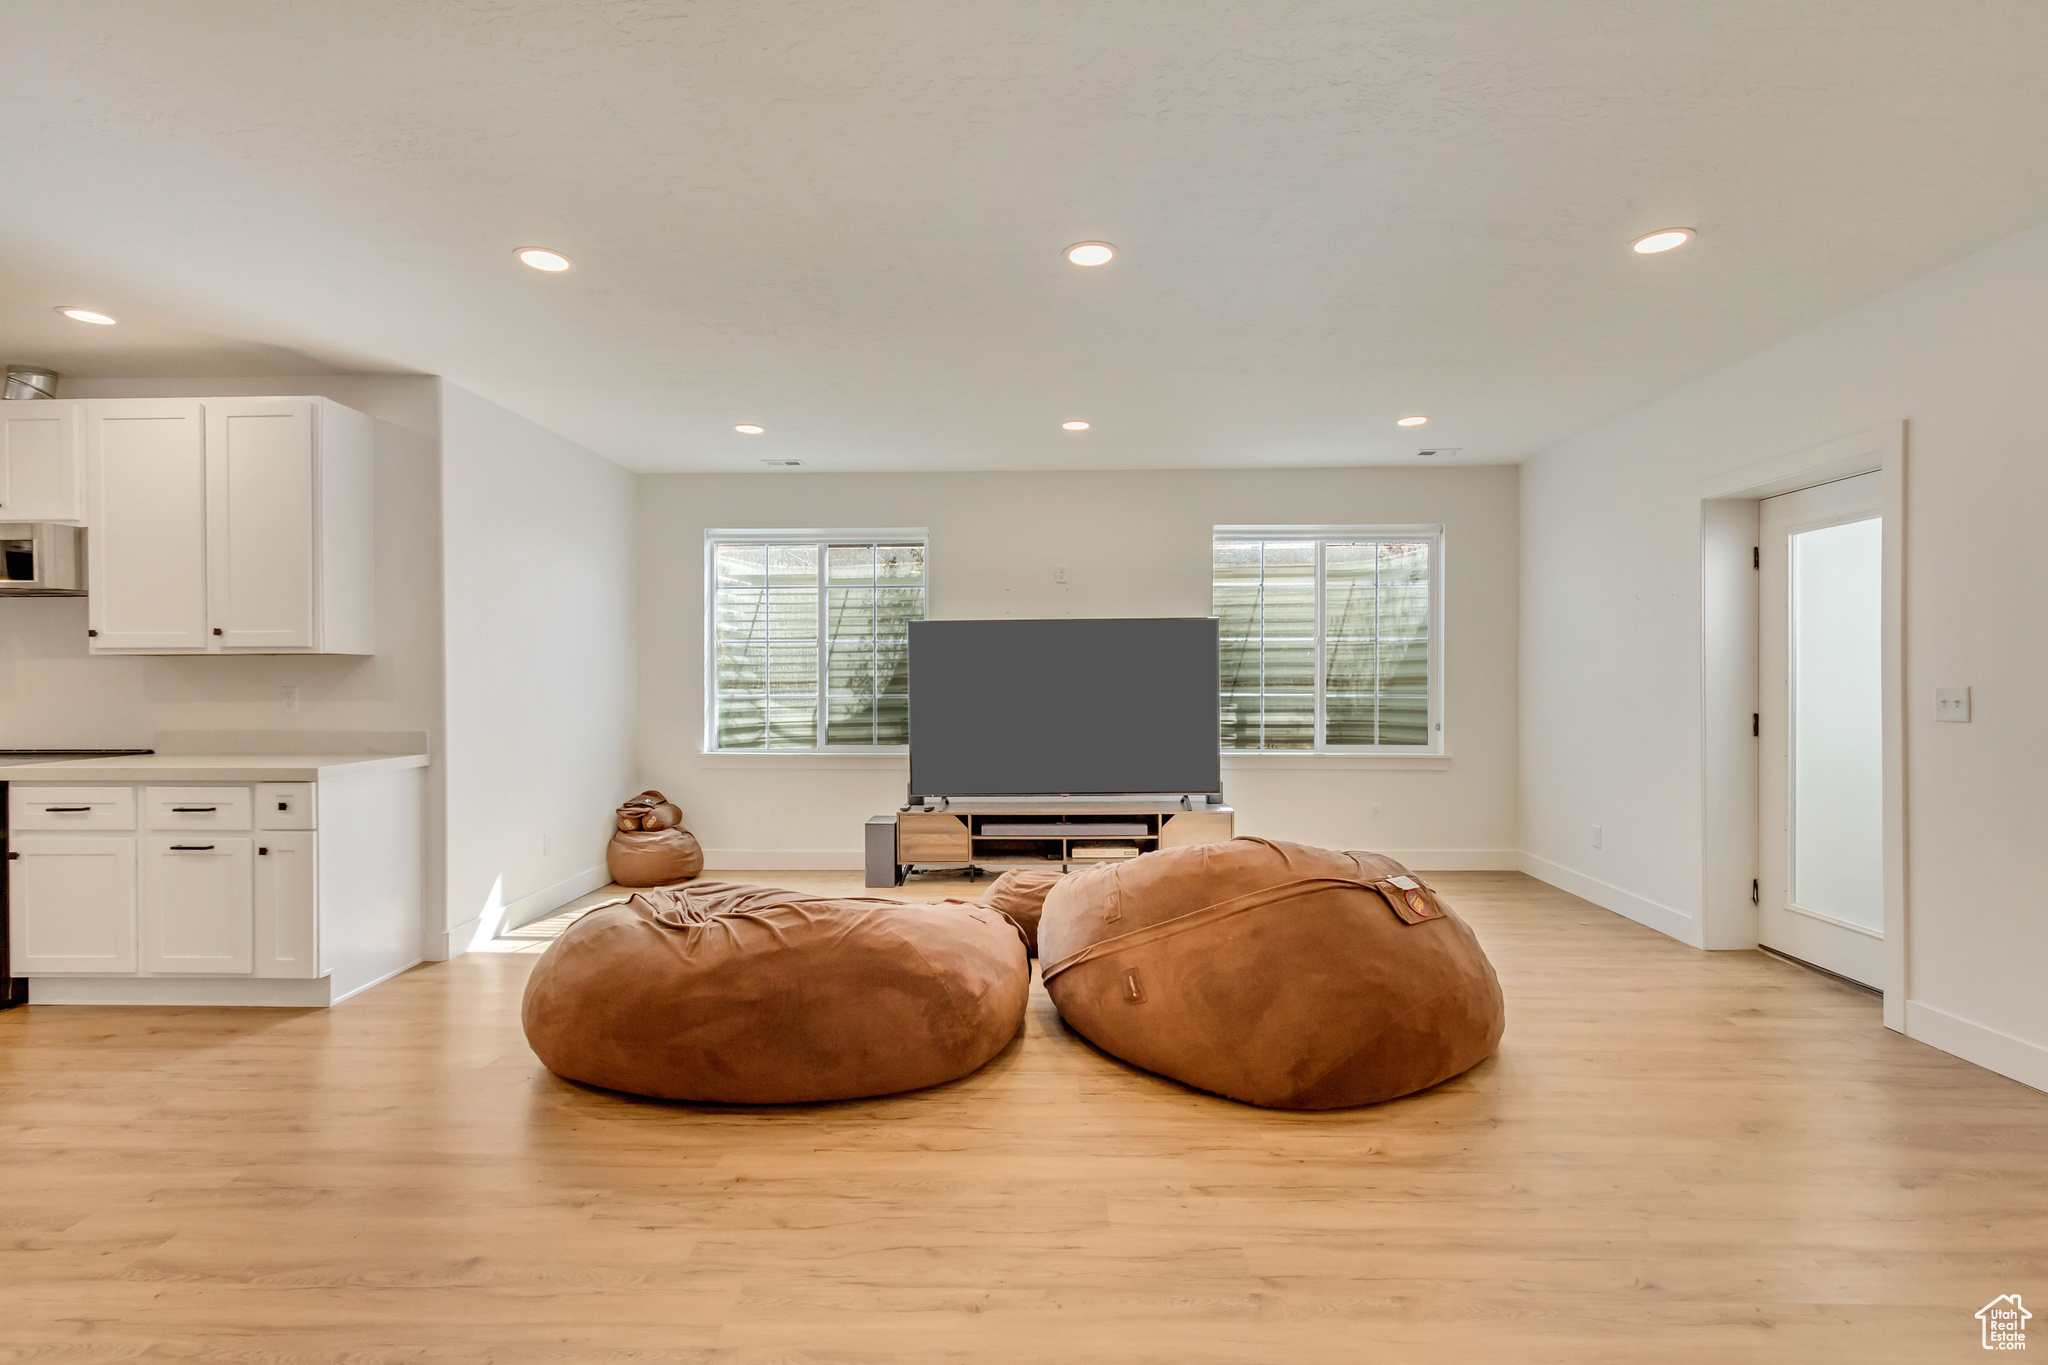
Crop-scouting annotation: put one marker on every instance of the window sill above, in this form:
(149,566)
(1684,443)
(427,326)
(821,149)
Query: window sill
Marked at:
(880,760)
(1336,762)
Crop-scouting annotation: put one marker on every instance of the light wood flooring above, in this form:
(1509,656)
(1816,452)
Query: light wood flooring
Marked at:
(1676,1156)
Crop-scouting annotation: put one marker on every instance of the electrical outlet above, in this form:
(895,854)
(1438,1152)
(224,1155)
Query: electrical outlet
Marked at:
(547,844)
(291,696)
(1596,836)
(1059,573)
(1952,703)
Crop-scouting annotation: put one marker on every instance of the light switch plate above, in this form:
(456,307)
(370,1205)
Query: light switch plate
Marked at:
(1952,703)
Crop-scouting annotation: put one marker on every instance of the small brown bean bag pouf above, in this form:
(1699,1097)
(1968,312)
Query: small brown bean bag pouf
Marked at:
(649,847)
(751,995)
(1020,894)
(1273,973)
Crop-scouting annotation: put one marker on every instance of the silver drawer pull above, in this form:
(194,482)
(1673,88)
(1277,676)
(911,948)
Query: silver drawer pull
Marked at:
(193,810)
(65,810)
(191,848)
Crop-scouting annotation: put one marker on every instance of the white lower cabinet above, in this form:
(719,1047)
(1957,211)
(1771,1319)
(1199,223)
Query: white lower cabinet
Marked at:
(72,903)
(198,906)
(287,912)
(194,892)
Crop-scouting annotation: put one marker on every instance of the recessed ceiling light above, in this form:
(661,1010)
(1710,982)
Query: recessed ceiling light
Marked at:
(87,315)
(1662,241)
(1073,426)
(1090,253)
(1414,421)
(540,258)
(749,429)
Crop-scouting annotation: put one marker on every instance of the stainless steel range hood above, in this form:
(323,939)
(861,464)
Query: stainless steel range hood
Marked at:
(41,559)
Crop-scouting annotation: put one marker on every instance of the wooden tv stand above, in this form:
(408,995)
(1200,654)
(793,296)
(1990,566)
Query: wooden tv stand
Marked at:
(1017,834)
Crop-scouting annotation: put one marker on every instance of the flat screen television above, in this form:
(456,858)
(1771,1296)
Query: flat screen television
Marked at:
(1064,708)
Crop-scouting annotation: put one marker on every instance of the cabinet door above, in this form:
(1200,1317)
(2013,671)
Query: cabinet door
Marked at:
(72,903)
(260,516)
(39,470)
(146,495)
(287,925)
(197,905)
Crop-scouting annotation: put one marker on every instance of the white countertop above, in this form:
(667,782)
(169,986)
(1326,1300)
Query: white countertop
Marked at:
(211,768)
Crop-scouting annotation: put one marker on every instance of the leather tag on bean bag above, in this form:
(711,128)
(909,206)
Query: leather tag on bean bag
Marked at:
(1413,901)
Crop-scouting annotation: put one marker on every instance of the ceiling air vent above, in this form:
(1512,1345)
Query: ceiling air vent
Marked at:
(1439,450)
(784,464)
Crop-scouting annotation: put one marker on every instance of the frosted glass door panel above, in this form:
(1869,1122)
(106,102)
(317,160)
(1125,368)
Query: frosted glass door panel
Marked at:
(1837,722)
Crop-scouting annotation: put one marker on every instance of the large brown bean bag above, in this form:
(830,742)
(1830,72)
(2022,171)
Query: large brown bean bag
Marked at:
(750,995)
(1273,973)
(1020,894)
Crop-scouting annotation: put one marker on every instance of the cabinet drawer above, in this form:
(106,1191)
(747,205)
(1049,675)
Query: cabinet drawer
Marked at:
(68,808)
(284,805)
(195,808)
(931,837)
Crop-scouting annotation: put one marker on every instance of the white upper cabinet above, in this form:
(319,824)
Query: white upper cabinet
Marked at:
(146,576)
(230,526)
(259,523)
(39,464)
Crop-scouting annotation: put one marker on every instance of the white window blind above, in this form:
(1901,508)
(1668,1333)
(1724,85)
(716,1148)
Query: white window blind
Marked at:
(1328,639)
(810,640)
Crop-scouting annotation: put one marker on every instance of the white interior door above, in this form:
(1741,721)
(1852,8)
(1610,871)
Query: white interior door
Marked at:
(259,455)
(147,563)
(1821,728)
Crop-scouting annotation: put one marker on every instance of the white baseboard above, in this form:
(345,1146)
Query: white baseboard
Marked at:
(358,990)
(784,860)
(1455,859)
(295,993)
(451,942)
(544,902)
(2013,1057)
(1665,920)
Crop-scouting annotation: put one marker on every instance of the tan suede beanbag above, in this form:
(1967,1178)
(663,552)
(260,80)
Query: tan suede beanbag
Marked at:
(1020,894)
(750,995)
(1273,973)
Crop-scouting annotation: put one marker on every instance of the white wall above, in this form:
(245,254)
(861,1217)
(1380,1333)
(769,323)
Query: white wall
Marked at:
(1610,623)
(1134,544)
(538,545)
(53,694)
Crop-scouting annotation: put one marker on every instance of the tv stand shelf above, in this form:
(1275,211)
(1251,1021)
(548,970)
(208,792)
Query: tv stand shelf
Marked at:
(1005,834)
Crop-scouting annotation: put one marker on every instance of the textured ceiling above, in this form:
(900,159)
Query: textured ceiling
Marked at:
(844,221)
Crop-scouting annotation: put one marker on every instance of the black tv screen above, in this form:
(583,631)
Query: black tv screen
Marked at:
(1055,708)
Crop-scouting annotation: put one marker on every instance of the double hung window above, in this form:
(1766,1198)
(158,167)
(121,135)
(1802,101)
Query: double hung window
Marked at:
(809,639)
(1330,639)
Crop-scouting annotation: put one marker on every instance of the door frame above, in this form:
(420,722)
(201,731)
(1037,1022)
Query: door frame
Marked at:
(1729,687)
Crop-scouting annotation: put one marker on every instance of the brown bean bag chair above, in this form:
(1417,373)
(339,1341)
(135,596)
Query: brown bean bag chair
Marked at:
(1020,894)
(1273,973)
(650,848)
(751,995)
(655,857)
